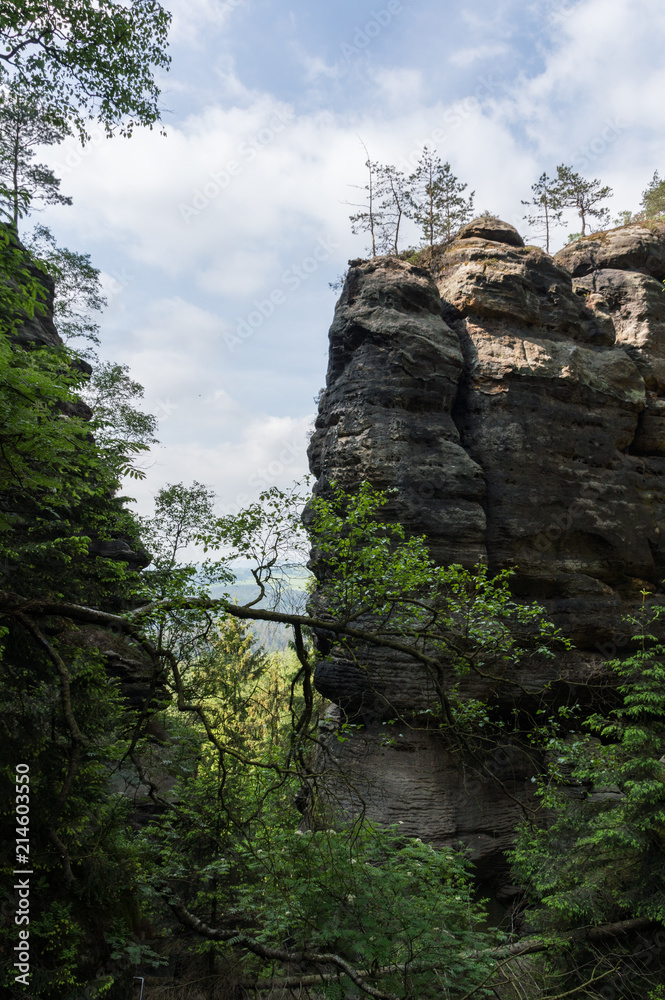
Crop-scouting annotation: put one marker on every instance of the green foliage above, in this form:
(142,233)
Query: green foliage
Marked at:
(394,205)
(57,488)
(225,792)
(75,920)
(370,895)
(386,207)
(546,201)
(385,903)
(573,191)
(624,218)
(63,714)
(367,566)
(438,203)
(86,59)
(653,198)
(432,196)
(24,124)
(599,858)
(120,428)
(181,515)
(23,294)
(370,217)
(77,290)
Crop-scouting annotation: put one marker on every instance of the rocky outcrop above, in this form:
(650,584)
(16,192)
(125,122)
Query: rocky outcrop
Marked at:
(637,247)
(517,403)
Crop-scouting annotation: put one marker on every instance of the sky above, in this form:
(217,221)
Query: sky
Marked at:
(219,240)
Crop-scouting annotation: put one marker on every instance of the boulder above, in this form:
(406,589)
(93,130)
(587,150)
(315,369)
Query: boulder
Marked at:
(639,246)
(486,227)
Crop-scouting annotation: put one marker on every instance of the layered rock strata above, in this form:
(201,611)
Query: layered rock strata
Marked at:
(517,403)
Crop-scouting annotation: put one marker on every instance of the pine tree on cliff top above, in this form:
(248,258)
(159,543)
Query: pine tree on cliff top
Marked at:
(546,208)
(573,191)
(438,204)
(24,124)
(653,198)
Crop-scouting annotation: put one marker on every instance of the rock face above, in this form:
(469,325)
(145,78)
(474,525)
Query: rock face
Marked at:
(517,402)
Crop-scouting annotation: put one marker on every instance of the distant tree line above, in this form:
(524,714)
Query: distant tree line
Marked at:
(436,200)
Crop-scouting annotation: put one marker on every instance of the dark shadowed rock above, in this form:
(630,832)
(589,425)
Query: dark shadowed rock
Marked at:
(404,776)
(488,228)
(385,414)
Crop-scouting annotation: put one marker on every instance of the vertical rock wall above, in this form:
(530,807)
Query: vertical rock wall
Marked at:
(517,403)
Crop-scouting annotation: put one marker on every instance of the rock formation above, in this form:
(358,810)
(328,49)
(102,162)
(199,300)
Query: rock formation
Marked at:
(517,403)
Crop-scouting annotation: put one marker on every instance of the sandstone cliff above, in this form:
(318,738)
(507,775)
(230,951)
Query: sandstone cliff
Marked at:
(517,403)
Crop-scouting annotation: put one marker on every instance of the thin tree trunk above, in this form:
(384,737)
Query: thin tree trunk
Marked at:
(15,176)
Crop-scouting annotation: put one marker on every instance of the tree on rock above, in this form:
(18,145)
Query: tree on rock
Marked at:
(438,204)
(386,203)
(546,207)
(369,218)
(653,198)
(573,191)
(394,206)
(24,124)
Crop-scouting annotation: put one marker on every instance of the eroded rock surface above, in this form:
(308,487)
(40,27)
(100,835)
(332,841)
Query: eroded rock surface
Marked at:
(517,402)
(639,247)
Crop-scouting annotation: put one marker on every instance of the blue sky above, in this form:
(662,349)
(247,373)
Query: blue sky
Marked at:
(217,243)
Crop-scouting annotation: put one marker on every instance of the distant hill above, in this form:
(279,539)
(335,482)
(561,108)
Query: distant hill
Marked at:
(271,636)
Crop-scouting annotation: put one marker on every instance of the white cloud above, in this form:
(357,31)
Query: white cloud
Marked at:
(605,70)
(271,451)
(191,19)
(465,57)
(226,186)
(175,355)
(399,87)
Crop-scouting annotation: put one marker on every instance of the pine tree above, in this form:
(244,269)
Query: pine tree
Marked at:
(455,208)
(438,205)
(393,206)
(370,217)
(573,191)
(653,198)
(24,124)
(547,207)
